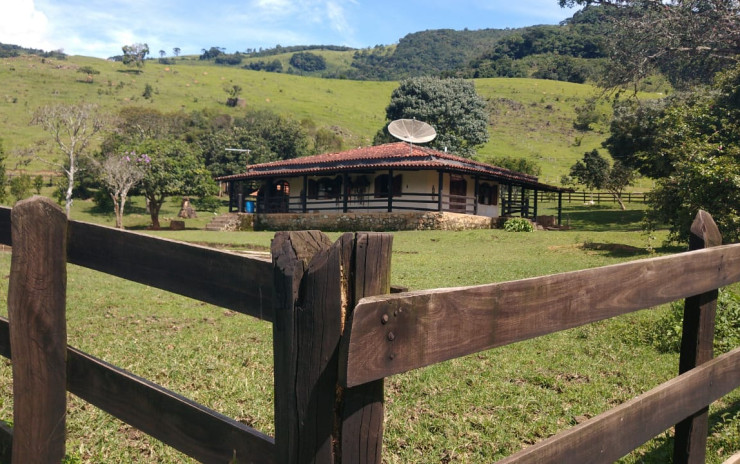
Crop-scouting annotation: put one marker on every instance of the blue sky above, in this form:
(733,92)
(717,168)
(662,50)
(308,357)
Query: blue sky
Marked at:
(100,27)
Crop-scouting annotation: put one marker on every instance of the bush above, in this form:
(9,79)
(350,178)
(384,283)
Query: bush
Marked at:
(666,336)
(103,201)
(209,203)
(518,225)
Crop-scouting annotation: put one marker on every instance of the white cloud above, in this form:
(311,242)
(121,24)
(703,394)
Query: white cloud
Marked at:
(22,24)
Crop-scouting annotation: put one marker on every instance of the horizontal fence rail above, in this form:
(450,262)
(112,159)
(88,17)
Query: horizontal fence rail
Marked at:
(183,424)
(638,419)
(334,342)
(225,279)
(391,334)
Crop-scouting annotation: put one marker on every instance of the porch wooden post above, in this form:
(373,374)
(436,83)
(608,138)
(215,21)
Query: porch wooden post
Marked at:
(697,346)
(38,330)
(440,183)
(231,194)
(345,191)
(509,200)
(390,191)
(304,197)
(560,206)
(475,196)
(267,185)
(534,215)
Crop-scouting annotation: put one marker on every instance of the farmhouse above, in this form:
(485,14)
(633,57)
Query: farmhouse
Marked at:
(395,179)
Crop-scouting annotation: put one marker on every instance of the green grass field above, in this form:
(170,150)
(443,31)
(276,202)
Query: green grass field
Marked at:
(529,118)
(474,409)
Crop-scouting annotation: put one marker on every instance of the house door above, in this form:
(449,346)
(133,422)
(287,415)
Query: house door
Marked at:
(458,190)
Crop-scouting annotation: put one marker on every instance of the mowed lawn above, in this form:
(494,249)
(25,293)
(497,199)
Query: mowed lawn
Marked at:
(475,409)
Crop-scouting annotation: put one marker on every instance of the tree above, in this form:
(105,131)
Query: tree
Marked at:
(688,41)
(20,185)
(162,53)
(176,51)
(594,172)
(119,173)
(451,106)
(308,62)
(174,169)
(700,139)
(522,165)
(233,92)
(135,54)
(72,128)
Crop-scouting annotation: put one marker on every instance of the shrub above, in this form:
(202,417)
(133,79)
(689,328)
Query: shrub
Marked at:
(20,186)
(208,203)
(666,336)
(518,225)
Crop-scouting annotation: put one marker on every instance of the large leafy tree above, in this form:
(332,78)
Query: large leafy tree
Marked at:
(687,40)
(174,168)
(700,138)
(451,106)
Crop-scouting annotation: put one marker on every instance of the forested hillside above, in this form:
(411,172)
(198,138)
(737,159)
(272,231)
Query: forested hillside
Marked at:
(572,52)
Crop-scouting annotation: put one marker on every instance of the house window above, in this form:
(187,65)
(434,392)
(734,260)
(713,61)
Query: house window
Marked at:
(281,188)
(381,186)
(487,194)
(325,188)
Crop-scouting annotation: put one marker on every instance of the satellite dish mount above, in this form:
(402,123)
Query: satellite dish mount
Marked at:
(412,131)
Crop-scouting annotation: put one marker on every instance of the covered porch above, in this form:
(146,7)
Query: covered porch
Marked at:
(388,178)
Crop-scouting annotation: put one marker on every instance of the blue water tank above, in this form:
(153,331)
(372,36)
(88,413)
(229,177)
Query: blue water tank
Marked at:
(249,206)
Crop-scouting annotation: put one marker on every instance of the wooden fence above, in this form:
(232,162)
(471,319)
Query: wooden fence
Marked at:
(337,334)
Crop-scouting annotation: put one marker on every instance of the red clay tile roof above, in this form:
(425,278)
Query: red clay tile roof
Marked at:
(399,155)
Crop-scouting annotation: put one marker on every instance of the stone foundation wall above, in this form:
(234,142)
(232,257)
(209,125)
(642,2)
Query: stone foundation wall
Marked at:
(350,222)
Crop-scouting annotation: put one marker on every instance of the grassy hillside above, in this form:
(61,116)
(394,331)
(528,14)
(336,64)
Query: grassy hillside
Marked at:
(530,118)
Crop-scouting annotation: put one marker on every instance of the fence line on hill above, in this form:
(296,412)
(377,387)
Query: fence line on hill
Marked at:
(582,196)
(337,334)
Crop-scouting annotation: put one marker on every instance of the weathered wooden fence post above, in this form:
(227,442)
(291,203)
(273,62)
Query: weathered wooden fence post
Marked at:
(38,333)
(697,346)
(317,285)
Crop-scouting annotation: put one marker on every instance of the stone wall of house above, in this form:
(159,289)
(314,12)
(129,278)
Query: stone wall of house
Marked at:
(348,222)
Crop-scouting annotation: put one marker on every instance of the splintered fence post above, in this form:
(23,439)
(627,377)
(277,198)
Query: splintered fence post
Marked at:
(317,284)
(697,346)
(291,255)
(38,333)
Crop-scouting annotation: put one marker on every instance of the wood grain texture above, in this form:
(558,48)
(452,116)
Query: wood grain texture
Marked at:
(181,423)
(363,406)
(38,330)
(637,420)
(291,254)
(221,278)
(436,325)
(697,342)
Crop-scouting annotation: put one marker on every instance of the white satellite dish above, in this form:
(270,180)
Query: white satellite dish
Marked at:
(412,131)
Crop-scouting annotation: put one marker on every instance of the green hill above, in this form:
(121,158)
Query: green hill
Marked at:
(529,118)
